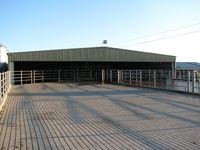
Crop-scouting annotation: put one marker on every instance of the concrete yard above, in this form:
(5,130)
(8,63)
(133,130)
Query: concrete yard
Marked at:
(69,116)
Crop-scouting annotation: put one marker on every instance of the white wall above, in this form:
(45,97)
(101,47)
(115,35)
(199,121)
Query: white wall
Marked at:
(3,55)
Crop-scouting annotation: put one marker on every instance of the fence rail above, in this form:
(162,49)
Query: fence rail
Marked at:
(40,76)
(157,79)
(4,87)
(189,81)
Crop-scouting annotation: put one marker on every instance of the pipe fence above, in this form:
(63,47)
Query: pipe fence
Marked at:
(164,79)
(5,87)
(157,79)
(41,76)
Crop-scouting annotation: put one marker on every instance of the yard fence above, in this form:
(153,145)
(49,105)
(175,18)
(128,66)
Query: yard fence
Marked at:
(157,79)
(5,86)
(188,81)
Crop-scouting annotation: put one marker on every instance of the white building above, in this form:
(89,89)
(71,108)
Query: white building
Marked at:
(3,54)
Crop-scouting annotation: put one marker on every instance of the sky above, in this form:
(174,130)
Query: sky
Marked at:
(160,26)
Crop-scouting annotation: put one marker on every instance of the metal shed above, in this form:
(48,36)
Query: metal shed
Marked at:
(88,62)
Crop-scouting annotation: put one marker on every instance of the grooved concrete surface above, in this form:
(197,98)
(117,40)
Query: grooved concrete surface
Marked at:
(67,116)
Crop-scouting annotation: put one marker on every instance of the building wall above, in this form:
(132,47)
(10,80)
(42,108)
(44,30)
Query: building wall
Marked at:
(3,55)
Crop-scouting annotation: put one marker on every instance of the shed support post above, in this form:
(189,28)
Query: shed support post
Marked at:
(103,75)
(77,75)
(110,75)
(154,78)
(140,77)
(74,73)
(107,74)
(130,78)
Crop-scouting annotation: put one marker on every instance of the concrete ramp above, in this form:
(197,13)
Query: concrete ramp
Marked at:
(69,116)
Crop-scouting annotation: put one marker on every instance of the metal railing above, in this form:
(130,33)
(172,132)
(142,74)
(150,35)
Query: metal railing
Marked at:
(4,86)
(41,76)
(145,78)
(157,79)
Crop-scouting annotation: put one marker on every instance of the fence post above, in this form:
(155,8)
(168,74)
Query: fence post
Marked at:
(31,76)
(42,76)
(4,81)
(130,78)
(91,75)
(110,75)
(193,81)
(149,77)
(34,76)
(154,78)
(9,79)
(188,81)
(118,76)
(0,87)
(140,77)
(122,76)
(59,76)
(21,77)
(136,77)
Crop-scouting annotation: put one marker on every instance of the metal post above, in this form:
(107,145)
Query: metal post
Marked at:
(31,76)
(103,76)
(4,83)
(59,76)
(107,74)
(193,81)
(21,77)
(34,76)
(130,78)
(122,76)
(188,81)
(0,87)
(110,75)
(149,77)
(77,75)
(91,75)
(42,76)
(154,78)
(118,76)
(8,79)
(140,77)
(96,76)
(136,77)
(74,75)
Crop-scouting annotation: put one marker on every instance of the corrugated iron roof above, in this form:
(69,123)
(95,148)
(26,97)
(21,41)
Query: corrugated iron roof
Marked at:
(187,66)
(90,54)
